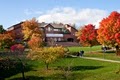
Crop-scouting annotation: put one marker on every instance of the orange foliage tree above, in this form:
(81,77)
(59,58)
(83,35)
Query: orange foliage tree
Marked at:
(35,42)
(32,32)
(87,35)
(109,30)
(30,28)
(6,39)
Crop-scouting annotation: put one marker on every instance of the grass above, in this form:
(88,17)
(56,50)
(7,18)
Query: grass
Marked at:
(111,56)
(87,49)
(74,68)
(96,51)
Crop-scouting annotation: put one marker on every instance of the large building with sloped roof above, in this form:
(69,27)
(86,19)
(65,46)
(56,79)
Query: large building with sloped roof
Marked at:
(57,32)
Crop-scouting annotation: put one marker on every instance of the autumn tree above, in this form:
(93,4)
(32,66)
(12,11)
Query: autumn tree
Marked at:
(6,39)
(30,28)
(35,42)
(87,35)
(109,30)
(32,32)
(47,54)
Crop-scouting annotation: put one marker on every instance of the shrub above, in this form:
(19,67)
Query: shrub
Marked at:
(17,48)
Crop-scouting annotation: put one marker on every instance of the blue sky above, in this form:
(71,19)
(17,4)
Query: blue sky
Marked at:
(79,12)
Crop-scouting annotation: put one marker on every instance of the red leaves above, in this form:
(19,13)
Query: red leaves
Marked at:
(88,32)
(17,47)
(108,32)
(117,37)
(87,35)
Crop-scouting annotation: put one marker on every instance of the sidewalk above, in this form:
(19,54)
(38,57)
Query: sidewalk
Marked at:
(100,59)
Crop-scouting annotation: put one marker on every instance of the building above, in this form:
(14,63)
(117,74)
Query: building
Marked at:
(57,32)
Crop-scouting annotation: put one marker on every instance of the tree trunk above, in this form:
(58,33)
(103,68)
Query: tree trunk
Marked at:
(23,76)
(47,64)
(22,69)
(117,50)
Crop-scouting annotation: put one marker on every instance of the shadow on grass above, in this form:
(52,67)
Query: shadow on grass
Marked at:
(82,68)
(79,68)
(108,51)
(69,56)
(30,78)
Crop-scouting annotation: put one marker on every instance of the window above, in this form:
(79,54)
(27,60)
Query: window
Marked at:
(56,30)
(49,28)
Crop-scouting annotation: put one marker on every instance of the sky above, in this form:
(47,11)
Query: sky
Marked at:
(78,12)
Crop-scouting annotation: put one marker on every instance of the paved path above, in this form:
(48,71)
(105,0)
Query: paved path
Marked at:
(100,59)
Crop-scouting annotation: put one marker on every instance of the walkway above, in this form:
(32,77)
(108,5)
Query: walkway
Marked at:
(107,60)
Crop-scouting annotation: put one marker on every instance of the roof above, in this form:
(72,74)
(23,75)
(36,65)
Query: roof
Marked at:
(14,26)
(55,25)
(43,24)
(59,25)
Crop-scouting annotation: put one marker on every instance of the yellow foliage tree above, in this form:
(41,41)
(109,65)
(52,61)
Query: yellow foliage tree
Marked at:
(32,33)
(30,28)
(47,55)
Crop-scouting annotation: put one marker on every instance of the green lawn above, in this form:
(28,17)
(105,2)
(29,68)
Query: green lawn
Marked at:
(87,49)
(96,51)
(72,69)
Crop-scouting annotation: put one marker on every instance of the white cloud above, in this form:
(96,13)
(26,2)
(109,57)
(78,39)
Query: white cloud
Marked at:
(31,12)
(70,15)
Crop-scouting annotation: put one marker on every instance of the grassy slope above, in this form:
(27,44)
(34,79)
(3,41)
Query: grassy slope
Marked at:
(80,69)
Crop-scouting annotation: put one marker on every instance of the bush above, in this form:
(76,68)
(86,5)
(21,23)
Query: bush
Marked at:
(8,68)
(17,47)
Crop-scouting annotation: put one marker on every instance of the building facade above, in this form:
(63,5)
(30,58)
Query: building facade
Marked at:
(57,32)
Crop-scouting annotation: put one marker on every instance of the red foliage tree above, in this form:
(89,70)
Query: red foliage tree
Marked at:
(109,30)
(87,35)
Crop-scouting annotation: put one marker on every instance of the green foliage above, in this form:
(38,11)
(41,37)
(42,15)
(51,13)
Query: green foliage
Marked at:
(2,30)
